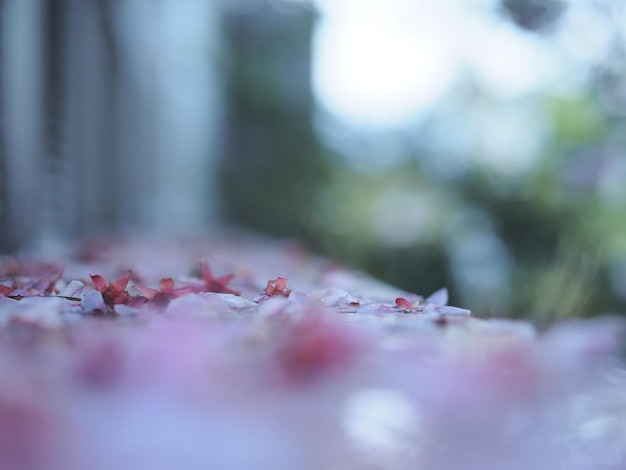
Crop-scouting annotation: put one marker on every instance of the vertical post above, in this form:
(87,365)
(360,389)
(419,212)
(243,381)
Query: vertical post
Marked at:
(169,111)
(5,236)
(56,192)
(91,77)
(109,117)
(21,90)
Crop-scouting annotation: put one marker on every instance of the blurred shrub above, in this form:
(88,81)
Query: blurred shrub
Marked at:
(517,204)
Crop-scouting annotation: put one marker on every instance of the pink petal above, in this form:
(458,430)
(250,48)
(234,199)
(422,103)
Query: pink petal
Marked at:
(120,284)
(403,303)
(4,290)
(181,291)
(99,282)
(149,292)
(277,286)
(166,284)
(207,274)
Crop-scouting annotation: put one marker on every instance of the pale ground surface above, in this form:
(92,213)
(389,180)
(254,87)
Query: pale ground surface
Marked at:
(319,368)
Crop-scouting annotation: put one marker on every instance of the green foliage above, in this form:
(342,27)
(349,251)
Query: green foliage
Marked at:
(543,240)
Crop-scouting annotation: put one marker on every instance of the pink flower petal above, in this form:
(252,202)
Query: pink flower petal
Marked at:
(149,292)
(4,290)
(166,284)
(403,303)
(99,282)
(120,284)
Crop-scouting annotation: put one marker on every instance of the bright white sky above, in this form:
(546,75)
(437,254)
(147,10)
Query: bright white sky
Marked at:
(385,63)
(372,67)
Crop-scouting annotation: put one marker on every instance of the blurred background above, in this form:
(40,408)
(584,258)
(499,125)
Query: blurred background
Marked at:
(473,144)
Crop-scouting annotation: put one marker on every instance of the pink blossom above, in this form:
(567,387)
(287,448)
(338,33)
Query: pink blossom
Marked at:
(313,345)
(214,284)
(114,293)
(160,298)
(274,287)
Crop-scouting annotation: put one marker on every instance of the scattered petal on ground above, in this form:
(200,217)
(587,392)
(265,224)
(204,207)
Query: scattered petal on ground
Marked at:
(335,370)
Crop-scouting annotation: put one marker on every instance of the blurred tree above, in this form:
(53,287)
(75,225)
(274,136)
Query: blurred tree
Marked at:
(534,15)
(273,163)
